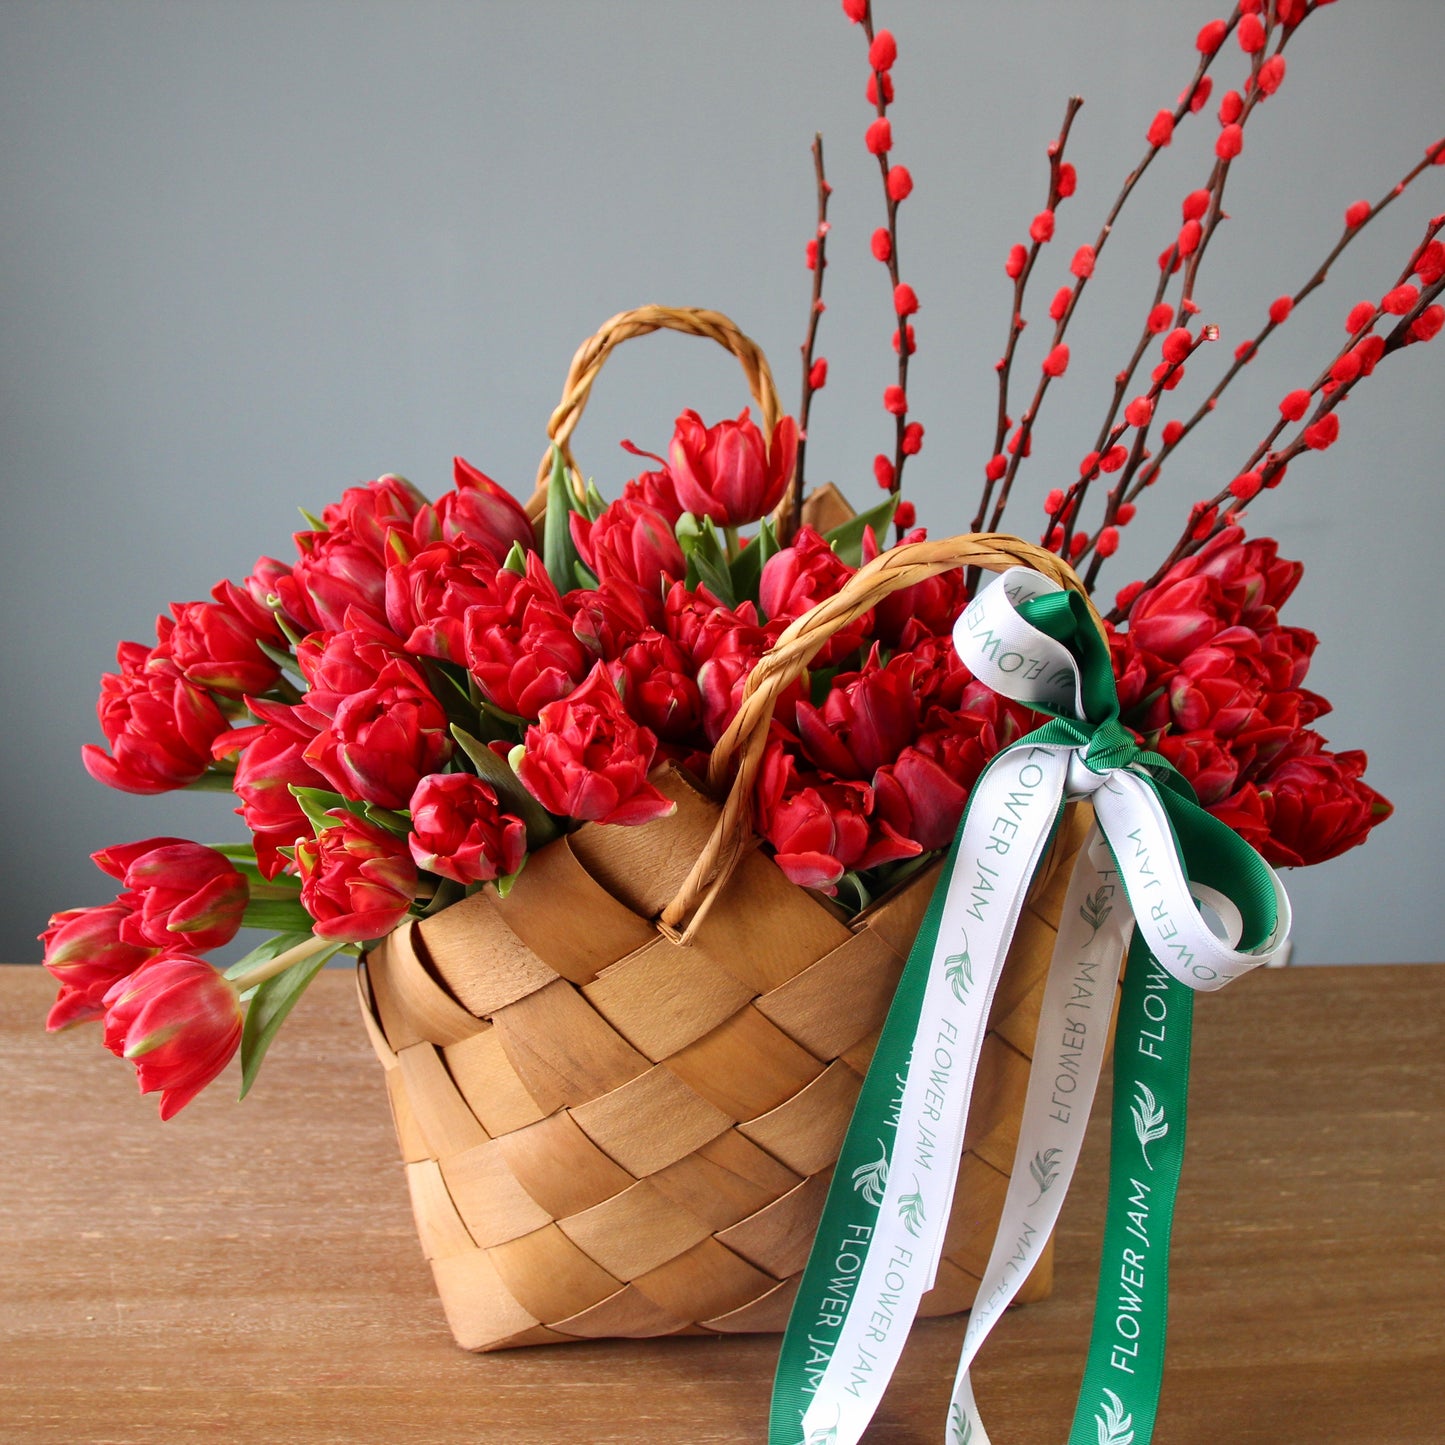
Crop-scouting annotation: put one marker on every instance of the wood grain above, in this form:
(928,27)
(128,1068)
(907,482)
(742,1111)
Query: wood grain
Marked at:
(249,1273)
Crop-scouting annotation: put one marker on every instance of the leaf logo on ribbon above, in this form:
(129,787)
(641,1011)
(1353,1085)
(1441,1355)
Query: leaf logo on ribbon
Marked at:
(910,1209)
(959,972)
(872,1179)
(1116,1424)
(823,1435)
(1148,1114)
(1095,910)
(961,1428)
(1045,1169)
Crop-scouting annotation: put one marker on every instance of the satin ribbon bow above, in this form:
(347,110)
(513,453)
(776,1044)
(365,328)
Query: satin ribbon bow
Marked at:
(1154,867)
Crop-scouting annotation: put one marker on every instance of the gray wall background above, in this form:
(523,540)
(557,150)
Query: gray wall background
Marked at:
(251,253)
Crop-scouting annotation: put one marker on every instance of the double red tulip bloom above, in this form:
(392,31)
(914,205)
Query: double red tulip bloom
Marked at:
(587,759)
(728,472)
(85,952)
(460,832)
(160,727)
(357,880)
(179,894)
(178,1021)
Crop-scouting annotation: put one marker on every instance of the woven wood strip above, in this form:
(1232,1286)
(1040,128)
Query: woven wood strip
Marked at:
(619,1158)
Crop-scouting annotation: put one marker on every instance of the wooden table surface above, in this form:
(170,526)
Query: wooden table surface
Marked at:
(250,1273)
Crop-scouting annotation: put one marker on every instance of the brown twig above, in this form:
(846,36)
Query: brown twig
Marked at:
(792,514)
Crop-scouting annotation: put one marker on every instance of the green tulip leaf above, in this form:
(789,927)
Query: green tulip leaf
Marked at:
(317,802)
(268,1008)
(559,552)
(283,659)
(747,568)
(516,560)
(511,794)
(596,502)
(314,522)
(265,952)
(707,559)
(846,539)
(276,913)
(585,577)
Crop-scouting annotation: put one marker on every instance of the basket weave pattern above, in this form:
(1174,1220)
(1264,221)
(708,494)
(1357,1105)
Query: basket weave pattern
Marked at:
(608,1133)
(620,1091)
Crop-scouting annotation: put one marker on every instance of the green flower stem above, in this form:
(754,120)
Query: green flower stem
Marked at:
(281,963)
(731,533)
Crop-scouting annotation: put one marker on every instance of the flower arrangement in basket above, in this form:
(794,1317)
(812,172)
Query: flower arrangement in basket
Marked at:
(633,808)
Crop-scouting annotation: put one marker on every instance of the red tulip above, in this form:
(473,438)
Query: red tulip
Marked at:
(85,952)
(159,726)
(340,664)
(272,761)
(587,759)
(357,880)
(1318,804)
(216,644)
(365,514)
(334,573)
(178,1021)
(427,596)
(866,719)
(821,829)
(459,831)
(796,578)
(1209,767)
(479,511)
(658,689)
(631,543)
(383,740)
(728,472)
(181,894)
(609,618)
(523,650)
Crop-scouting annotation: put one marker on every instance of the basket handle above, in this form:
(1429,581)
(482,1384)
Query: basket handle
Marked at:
(743,744)
(690,321)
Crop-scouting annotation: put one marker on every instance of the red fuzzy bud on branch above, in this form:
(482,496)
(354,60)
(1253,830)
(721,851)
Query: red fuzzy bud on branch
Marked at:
(1060,303)
(1068,180)
(1271,75)
(912,340)
(1295,405)
(1107,542)
(855,10)
(905,299)
(1201,95)
(1113,459)
(1361,314)
(1357,214)
(1056,363)
(1161,129)
(818,374)
(1161,318)
(883,472)
(1230,142)
(871,91)
(1173,430)
(912,441)
(884,51)
(1195,204)
(879,136)
(1280,308)
(1041,228)
(1083,263)
(1426,326)
(882,245)
(1209,39)
(1250,34)
(811,253)
(1246,486)
(1323,433)
(905,514)
(995,467)
(895,400)
(1400,300)
(900,183)
(1177,345)
(1018,258)
(1139,411)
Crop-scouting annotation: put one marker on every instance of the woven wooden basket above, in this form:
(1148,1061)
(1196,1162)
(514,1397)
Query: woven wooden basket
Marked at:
(620,1091)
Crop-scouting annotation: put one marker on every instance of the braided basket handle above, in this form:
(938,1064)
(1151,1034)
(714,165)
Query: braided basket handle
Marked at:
(690,321)
(744,742)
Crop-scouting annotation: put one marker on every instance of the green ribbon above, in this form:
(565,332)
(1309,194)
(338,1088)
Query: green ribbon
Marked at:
(1119,1398)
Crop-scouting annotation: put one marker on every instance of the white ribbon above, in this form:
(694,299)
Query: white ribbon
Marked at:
(1011,816)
